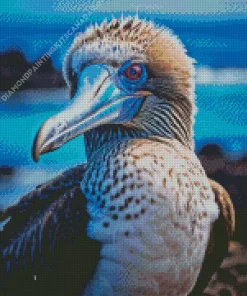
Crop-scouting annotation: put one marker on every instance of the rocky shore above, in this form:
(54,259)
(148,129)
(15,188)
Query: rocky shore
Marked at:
(14,65)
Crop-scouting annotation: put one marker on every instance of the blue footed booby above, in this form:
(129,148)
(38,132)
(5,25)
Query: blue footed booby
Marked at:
(140,217)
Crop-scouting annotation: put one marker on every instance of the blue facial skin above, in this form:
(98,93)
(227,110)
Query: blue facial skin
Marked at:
(129,109)
(132,105)
(121,86)
(131,85)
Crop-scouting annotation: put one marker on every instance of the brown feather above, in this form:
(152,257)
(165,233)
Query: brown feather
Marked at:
(221,234)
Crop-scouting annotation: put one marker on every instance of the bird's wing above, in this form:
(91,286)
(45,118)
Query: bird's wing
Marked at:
(221,233)
(44,246)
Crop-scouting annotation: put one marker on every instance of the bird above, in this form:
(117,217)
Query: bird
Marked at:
(140,217)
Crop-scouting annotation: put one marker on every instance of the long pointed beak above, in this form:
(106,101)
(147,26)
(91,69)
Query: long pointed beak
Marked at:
(98,101)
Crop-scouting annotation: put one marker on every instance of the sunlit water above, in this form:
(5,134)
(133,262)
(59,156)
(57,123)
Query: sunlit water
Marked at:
(222,119)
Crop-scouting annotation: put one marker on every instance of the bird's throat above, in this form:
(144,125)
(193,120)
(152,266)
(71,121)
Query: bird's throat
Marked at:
(97,137)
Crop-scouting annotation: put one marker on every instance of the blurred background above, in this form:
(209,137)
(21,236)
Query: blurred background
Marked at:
(215,35)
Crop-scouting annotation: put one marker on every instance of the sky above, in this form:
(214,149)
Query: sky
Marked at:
(72,7)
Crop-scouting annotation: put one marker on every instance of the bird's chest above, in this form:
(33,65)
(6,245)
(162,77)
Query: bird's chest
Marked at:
(152,208)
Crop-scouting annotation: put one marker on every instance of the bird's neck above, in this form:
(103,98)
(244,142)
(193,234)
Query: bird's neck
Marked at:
(99,136)
(169,117)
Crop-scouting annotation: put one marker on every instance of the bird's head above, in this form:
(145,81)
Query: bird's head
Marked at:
(127,73)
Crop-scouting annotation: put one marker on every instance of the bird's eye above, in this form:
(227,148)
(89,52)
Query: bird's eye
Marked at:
(132,75)
(133,72)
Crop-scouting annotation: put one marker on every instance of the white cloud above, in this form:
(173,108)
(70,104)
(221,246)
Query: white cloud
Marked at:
(205,75)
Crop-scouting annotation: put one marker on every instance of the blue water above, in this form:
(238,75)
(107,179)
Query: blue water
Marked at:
(222,119)
(20,119)
(214,42)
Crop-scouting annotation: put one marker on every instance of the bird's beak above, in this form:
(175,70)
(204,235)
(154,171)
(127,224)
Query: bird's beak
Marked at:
(98,101)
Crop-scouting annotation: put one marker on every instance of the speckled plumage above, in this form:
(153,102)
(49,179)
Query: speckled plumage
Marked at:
(151,206)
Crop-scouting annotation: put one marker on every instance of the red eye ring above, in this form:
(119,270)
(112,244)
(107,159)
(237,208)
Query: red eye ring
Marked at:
(133,72)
